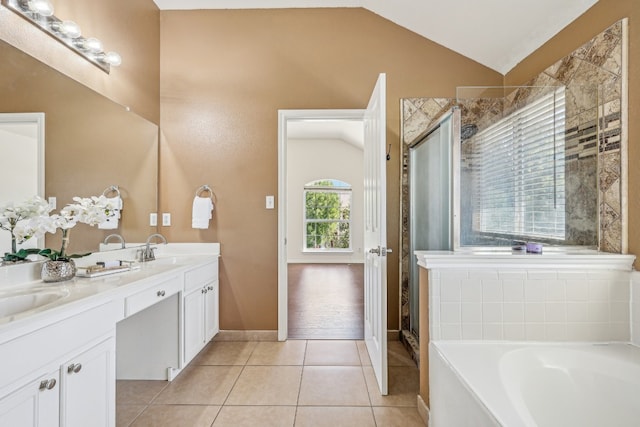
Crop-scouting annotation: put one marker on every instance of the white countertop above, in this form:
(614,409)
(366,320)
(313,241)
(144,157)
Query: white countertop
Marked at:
(552,257)
(86,293)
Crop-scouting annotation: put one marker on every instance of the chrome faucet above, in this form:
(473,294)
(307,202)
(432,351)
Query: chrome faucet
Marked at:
(147,253)
(119,237)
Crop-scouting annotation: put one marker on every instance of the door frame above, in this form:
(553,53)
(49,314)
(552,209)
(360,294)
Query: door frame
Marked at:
(284,116)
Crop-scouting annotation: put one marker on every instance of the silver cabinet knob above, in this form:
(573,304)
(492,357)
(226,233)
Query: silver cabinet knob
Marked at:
(47,384)
(210,288)
(74,368)
(161,293)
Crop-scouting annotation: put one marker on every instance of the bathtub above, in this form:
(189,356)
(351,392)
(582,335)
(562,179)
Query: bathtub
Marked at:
(492,384)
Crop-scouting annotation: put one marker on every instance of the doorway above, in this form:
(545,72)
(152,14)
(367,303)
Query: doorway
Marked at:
(375,248)
(324,257)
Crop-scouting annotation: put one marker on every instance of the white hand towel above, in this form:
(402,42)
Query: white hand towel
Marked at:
(111,223)
(202,212)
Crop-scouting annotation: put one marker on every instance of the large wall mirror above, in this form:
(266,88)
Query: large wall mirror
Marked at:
(21,163)
(91,143)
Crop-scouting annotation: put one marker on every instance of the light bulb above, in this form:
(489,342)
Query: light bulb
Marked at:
(93,45)
(41,7)
(113,58)
(70,29)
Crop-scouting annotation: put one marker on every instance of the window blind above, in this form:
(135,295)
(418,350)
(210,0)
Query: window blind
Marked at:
(518,172)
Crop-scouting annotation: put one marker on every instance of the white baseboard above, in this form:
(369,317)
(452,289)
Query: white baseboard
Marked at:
(423,410)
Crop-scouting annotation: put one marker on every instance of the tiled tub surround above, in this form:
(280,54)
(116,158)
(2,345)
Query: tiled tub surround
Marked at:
(635,308)
(599,61)
(556,296)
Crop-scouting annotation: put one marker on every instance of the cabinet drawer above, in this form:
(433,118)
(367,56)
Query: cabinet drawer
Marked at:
(151,295)
(200,275)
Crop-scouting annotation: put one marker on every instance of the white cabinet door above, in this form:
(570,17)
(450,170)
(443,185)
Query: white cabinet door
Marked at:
(88,387)
(34,405)
(193,323)
(211,301)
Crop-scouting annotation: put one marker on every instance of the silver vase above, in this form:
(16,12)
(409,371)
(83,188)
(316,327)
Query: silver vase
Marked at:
(58,271)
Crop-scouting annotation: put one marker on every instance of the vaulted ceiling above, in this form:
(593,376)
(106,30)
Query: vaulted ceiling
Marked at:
(496,33)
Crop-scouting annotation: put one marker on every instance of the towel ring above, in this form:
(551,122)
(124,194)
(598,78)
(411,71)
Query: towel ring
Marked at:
(111,189)
(204,189)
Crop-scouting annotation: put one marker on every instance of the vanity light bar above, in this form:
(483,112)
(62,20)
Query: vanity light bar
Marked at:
(40,13)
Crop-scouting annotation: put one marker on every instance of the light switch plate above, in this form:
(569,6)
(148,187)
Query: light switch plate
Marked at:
(53,202)
(153,219)
(270,202)
(166,219)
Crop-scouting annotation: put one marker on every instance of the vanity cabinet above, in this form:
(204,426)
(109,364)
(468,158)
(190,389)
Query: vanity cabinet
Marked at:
(58,367)
(88,387)
(62,374)
(80,393)
(37,404)
(201,314)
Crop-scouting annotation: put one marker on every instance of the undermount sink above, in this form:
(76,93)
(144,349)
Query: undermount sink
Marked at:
(19,301)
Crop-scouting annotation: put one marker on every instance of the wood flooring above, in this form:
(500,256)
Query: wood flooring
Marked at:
(326,301)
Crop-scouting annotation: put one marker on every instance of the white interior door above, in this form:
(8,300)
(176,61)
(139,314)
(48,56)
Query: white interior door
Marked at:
(375,233)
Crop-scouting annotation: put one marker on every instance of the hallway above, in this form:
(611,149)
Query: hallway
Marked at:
(293,383)
(326,301)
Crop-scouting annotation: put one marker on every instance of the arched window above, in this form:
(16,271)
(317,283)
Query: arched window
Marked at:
(327,216)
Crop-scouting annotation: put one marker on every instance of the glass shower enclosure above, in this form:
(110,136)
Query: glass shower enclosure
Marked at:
(431,201)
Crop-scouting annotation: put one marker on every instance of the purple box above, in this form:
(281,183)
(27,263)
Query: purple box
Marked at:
(534,248)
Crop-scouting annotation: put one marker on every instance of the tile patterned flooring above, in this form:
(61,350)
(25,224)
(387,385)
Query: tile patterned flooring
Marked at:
(293,383)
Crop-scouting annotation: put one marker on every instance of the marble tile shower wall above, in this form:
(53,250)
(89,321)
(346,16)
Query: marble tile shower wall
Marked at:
(597,62)
(529,305)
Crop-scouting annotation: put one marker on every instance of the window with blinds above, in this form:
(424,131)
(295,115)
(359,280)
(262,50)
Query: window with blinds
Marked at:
(518,178)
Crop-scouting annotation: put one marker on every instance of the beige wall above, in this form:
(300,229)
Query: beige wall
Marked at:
(130,27)
(225,74)
(599,17)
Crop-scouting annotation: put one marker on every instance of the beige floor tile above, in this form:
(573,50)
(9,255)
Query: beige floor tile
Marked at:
(332,353)
(177,416)
(225,353)
(278,353)
(266,385)
(397,417)
(404,386)
(200,385)
(333,386)
(252,416)
(125,414)
(364,354)
(334,416)
(138,392)
(398,355)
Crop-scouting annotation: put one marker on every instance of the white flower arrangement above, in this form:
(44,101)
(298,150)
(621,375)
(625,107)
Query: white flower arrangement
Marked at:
(36,221)
(17,219)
